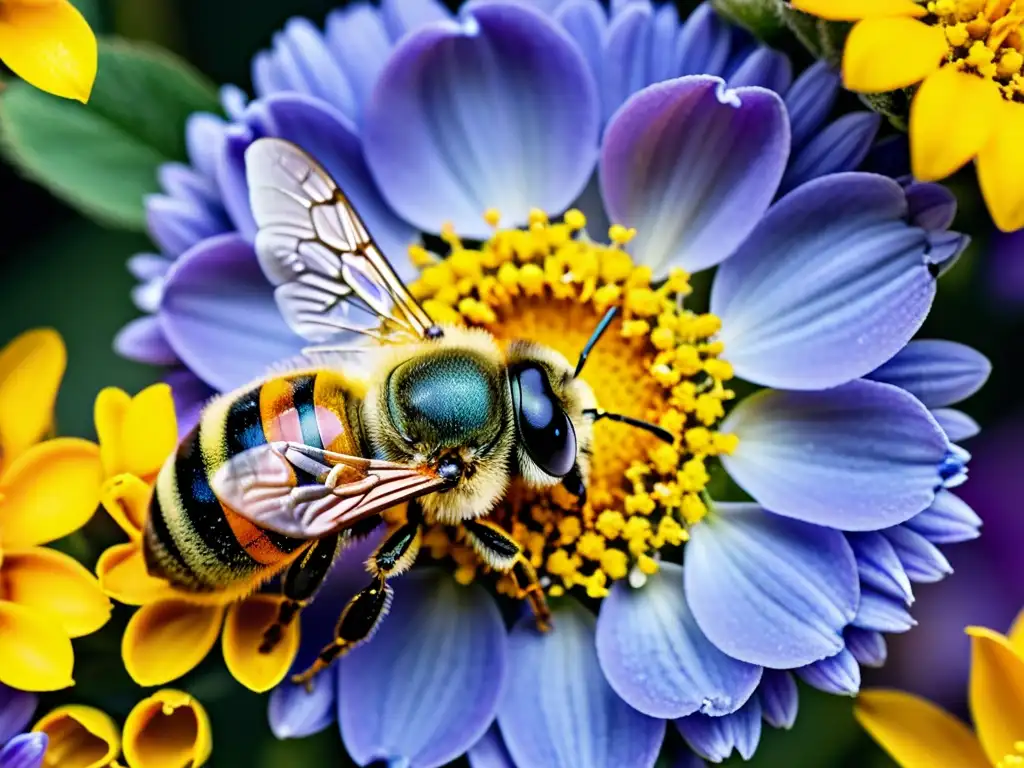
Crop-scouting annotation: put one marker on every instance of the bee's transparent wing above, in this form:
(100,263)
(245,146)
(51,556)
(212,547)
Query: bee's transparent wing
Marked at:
(331,278)
(307,493)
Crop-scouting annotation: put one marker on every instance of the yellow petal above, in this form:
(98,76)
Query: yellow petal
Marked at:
(31,368)
(854,10)
(50,581)
(50,46)
(167,639)
(108,413)
(79,737)
(996,692)
(916,732)
(50,491)
(243,632)
(150,430)
(1001,168)
(123,576)
(168,730)
(36,652)
(886,54)
(126,499)
(951,119)
(1016,634)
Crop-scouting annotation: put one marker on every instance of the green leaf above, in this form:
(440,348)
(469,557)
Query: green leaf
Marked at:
(102,157)
(762,18)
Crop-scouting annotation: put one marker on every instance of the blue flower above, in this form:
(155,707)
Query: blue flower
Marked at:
(17,749)
(696,138)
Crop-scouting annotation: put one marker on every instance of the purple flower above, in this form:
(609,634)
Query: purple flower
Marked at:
(17,749)
(696,138)
(345,94)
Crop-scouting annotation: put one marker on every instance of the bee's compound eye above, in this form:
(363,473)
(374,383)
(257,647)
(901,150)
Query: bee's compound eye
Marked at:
(544,427)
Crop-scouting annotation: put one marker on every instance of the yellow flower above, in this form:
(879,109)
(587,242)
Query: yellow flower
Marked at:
(920,735)
(173,631)
(967,55)
(167,730)
(47,490)
(49,44)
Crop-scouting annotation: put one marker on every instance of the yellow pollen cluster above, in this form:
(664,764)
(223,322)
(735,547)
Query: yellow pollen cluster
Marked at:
(1014,760)
(549,283)
(984,37)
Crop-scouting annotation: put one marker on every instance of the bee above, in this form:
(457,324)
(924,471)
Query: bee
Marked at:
(278,476)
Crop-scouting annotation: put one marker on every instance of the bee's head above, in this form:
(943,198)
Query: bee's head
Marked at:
(446,409)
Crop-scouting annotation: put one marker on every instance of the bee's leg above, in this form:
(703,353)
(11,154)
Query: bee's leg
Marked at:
(301,581)
(503,553)
(363,613)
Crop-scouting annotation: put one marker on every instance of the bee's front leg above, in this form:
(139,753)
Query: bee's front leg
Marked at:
(364,612)
(503,553)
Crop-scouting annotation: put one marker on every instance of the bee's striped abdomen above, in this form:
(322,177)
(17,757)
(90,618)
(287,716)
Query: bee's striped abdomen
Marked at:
(194,539)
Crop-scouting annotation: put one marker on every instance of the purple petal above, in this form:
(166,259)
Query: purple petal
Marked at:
(936,372)
(300,61)
(628,47)
(779,698)
(558,710)
(657,658)
(234,192)
(191,394)
(204,134)
(176,224)
(956,424)
(840,146)
(921,559)
(490,751)
(704,43)
(882,613)
(663,63)
(24,751)
(148,266)
(810,100)
(496,111)
(295,713)
(831,284)
(693,166)
(867,647)
(715,738)
(424,703)
(219,315)
(16,708)
(766,68)
(932,206)
(838,675)
(879,566)
(186,184)
(889,157)
(359,41)
(329,138)
(949,520)
(769,590)
(586,23)
(234,101)
(143,341)
(858,457)
(404,16)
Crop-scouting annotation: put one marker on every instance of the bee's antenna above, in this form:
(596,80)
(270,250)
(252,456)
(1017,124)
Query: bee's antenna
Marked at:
(594,338)
(654,429)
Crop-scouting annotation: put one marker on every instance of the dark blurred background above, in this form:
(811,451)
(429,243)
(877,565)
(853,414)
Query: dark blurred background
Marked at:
(62,271)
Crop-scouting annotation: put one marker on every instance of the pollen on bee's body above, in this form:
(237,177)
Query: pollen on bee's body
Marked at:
(550,284)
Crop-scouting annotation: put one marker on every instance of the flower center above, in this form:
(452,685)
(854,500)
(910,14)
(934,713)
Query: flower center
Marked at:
(1014,759)
(984,38)
(550,284)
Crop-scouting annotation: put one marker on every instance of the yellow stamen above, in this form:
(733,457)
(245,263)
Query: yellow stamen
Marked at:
(658,362)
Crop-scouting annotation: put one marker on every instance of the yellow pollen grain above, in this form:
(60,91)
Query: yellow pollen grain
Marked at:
(658,361)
